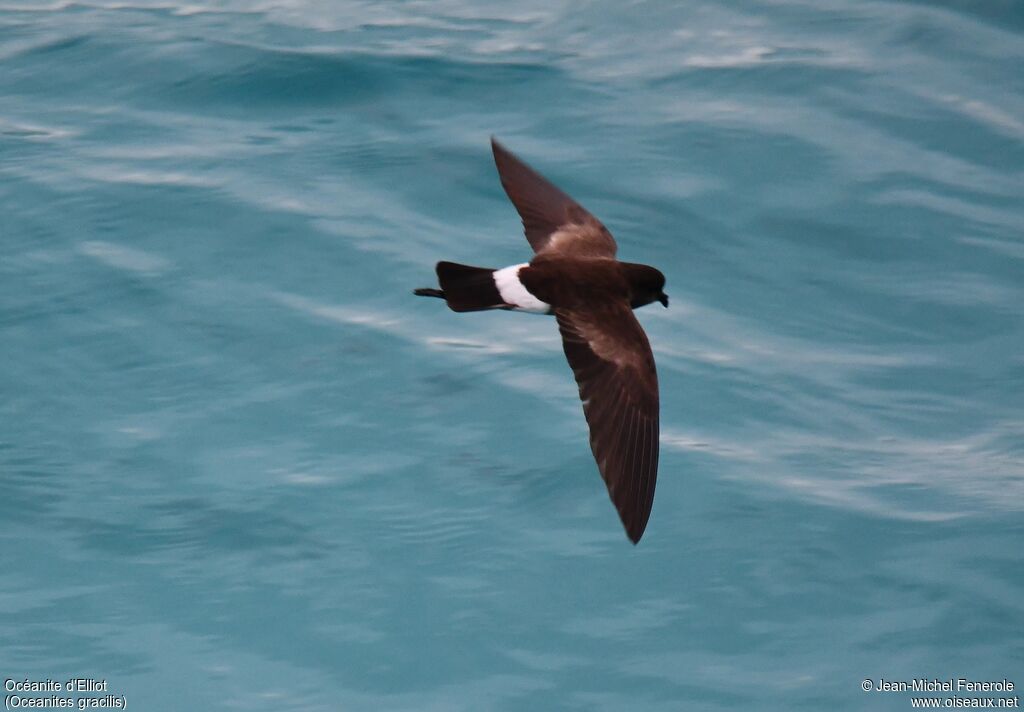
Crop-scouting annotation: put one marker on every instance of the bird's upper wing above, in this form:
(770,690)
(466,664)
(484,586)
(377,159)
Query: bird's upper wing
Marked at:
(553,221)
(614,367)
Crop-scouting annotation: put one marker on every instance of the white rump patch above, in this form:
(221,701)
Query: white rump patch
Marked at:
(514,293)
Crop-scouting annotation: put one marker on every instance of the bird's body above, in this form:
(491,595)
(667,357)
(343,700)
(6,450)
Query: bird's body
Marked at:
(576,277)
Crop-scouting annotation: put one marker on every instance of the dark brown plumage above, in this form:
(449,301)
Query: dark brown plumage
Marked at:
(575,276)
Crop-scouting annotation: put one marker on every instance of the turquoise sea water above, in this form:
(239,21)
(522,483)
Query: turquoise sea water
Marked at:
(242,467)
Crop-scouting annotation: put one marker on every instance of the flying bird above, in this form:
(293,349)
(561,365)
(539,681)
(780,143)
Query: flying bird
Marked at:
(575,276)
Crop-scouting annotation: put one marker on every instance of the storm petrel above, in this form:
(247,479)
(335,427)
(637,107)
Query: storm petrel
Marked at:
(575,276)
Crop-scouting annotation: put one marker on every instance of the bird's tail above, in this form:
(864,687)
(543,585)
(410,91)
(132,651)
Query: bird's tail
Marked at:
(465,288)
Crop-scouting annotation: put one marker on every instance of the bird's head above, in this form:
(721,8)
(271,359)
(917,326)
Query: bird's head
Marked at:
(646,285)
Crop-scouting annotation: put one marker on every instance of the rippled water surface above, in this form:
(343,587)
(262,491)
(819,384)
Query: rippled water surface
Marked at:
(242,467)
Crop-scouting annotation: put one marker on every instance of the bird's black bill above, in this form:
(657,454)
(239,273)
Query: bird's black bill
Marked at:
(663,298)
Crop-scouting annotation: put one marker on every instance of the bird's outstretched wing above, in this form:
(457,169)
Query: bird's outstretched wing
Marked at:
(553,221)
(611,357)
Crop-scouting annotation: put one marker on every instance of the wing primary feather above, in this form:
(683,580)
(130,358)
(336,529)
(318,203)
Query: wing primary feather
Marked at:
(644,467)
(635,449)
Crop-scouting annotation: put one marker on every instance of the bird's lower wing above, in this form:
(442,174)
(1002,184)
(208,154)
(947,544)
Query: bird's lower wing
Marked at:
(614,367)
